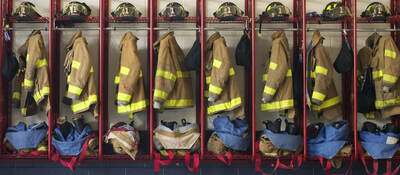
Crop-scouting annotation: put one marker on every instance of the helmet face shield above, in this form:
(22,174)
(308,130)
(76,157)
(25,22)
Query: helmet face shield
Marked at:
(228,11)
(126,10)
(76,9)
(26,9)
(174,10)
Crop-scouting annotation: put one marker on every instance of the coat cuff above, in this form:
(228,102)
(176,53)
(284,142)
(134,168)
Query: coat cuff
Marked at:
(157,104)
(212,97)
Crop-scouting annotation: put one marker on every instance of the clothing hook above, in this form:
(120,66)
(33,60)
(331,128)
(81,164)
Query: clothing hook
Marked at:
(344,32)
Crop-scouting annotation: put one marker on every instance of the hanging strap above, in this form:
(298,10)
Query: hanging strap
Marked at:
(258,165)
(196,162)
(158,161)
(32,153)
(375,164)
(329,166)
(228,160)
(70,164)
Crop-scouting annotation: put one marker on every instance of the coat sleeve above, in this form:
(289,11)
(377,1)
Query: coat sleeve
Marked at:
(165,74)
(221,69)
(391,72)
(129,73)
(33,61)
(323,76)
(277,70)
(80,70)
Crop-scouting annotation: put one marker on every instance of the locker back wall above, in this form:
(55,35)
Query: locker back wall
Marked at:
(103,34)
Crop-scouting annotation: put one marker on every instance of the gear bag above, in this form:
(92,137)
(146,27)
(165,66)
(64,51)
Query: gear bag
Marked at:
(193,58)
(9,65)
(124,138)
(243,50)
(344,61)
(22,137)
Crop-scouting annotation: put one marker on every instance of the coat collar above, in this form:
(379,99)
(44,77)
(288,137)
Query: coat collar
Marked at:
(317,38)
(163,37)
(71,42)
(127,36)
(372,40)
(22,49)
(278,34)
(211,39)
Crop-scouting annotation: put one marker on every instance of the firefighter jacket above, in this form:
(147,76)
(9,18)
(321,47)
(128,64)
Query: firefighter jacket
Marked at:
(320,85)
(223,92)
(278,89)
(32,81)
(81,91)
(385,64)
(129,79)
(173,83)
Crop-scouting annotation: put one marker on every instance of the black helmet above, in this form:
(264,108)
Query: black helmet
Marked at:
(174,11)
(76,9)
(276,11)
(334,11)
(377,11)
(228,11)
(126,10)
(26,10)
(370,127)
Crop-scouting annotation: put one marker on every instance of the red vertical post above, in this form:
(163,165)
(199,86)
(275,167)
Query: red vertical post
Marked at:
(51,76)
(355,139)
(202,41)
(253,74)
(304,43)
(103,76)
(2,114)
(151,55)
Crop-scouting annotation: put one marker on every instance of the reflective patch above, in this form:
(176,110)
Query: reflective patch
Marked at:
(389,53)
(231,71)
(160,94)
(284,104)
(370,115)
(42,148)
(68,78)
(208,80)
(84,104)
(178,103)
(215,89)
(182,74)
(16,95)
(75,64)
(321,70)
(124,70)
(377,74)
(217,63)
(289,73)
(28,83)
(379,104)
(389,78)
(27,57)
(224,106)
(318,96)
(91,69)
(23,111)
(133,107)
(42,62)
(273,65)
(41,93)
(269,90)
(265,77)
(116,81)
(140,74)
(327,103)
(123,97)
(74,90)
(165,74)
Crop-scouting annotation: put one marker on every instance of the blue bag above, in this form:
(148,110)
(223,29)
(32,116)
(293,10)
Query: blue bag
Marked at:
(381,145)
(284,140)
(232,133)
(329,141)
(22,137)
(72,144)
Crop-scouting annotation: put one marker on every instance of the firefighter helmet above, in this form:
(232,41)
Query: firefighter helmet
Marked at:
(174,10)
(76,9)
(228,11)
(26,10)
(334,11)
(377,11)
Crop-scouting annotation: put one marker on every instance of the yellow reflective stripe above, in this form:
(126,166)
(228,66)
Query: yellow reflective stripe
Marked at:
(271,154)
(370,115)
(289,73)
(384,103)
(124,70)
(132,107)
(84,104)
(206,94)
(178,103)
(208,80)
(160,94)
(165,74)
(389,78)
(140,74)
(28,83)
(27,57)
(182,74)
(273,65)
(42,62)
(16,95)
(91,69)
(326,104)
(42,148)
(277,105)
(269,90)
(41,93)
(123,97)
(75,64)
(231,71)
(224,106)
(217,63)
(265,77)
(74,90)
(68,78)
(312,74)
(23,111)
(116,81)
(389,53)
(377,74)
(321,70)
(318,95)
(215,89)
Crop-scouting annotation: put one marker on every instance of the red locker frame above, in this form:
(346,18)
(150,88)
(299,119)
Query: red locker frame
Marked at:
(300,22)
